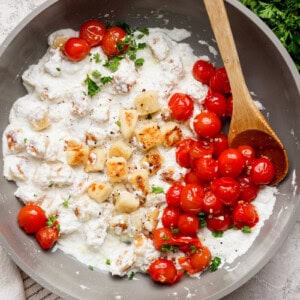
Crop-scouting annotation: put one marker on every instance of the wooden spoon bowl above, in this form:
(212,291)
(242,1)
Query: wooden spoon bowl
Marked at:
(248,126)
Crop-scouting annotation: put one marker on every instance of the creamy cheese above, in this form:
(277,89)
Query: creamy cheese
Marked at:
(57,117)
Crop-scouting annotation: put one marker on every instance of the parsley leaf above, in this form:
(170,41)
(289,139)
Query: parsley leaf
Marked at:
(51,221)
(66,203)
(201,217)
(145,31)
(215,263)
(118,123)
(91,267)
(217,234)
(167,247)
(106,79)
(113,63)
(96,57)
(139,62)
(157,190)
(246,229)
(174,230)
(93,87)
(108,262)
(96,74)
(130,277)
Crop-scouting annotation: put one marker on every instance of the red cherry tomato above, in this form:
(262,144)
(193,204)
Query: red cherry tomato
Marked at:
(199,149)
(111,39)
(229,108)
(211,203)
(181,106)
(231,163)
(244,214)
(206,168)
(183,152)
(161,236)
(164,271)
(262,171)
(207,124)
(219,222)
(173,195)
(219,81)
(188,224)
(46,237)
(216,103)
(200,260)
(170,217)
(31,218)
(248,190)
(227,189)
(93,32)
(191,177)
(248,152)
(191,198)
(202,71)
(76,49)
(220,143)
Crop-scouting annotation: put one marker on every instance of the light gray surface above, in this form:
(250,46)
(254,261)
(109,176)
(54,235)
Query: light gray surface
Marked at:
(279,279)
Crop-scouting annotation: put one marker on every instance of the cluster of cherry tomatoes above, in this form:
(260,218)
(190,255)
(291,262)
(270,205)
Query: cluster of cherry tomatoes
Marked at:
(33,220)
(219,185)
(94,33)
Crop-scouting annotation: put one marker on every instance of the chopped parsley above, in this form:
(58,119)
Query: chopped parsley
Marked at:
(193,248)
(139,62)
(58,69)
(25,140)
(51,221)
(246,229)
(91,267)
(174,230)
(131,276)
(57,227)
(118,123)
(157,190)
(50,185)
(215,263)
(108,262)
(167,247)
(201,217)
(93,87)
(113,63)
(96,74)
(165,238)
(106,79)
(96,58)
(217,234)
(145,31)
(233,227)
(66,203)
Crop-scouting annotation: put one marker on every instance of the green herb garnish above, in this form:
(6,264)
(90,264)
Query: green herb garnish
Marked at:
(96,74)
(217,234)
(50,185)
(51,221)
(246,229)
(96,57)
(66,203)
(108,262)
(91,267)
(215,263)
(157,190)
(113,63)
(139,62)
(93,87)
(193,248)
(118,123)
(106,79)
(58,69)
(201,217)
(130,277)
(174,230)
(25,140)
(145,31)
(167,247)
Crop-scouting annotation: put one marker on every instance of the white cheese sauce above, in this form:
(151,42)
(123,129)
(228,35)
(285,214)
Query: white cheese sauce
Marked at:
(58,112)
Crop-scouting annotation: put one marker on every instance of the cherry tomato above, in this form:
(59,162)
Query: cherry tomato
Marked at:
(244,214)
(219,81)
(199,149)
(229,108)
(216,103)
(111,39)
(46,237)
(170,217)
(188,224)
(186,243)
(262,171)
(76,49)
(191,198)
(248,190)
(160,237)
(191,177)
(173,195)
(202,71)
(248,152)
(183,152)
(211,203)
(93,32)
(31,218)
(231,163)
(181,106)
(200,260)
(206,168)
(227,189)
(219,222)
(164,271)
(220,143)
(207,124)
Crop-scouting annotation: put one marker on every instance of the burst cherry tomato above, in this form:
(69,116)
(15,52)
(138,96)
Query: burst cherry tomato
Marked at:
(173,195)
(219,222)
(244,214)
(211,203)
(207,124)
(191,177)
(76,49)
(227,189)
(206,168)
(93,32)
(248,152)
(248,190)
(219,81)
(161,236)
(199,149)
(188,224)
(31,218)
(114,36)
(46,237)
(220,143)
(164,271)
(202,71)
(181,106)
(170,217)
(231,163)
(262,171)
(216,103)
(191,198)
(183,152)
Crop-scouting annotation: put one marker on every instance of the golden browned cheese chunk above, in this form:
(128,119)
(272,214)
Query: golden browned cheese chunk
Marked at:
(139,180)
(149,135)
(77,154)
(96,160)
(152,161)
(117,169)
(171,133)
(99,191)
(128,120)
(147,103)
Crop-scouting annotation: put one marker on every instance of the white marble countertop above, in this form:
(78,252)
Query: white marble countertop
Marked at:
(279,279)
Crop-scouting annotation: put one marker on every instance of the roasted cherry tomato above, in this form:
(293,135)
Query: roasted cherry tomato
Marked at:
(173,195)
(206,168)
(93,32)
(31,218)
(164,271)
(248,189)
(199,149)
(188,224)
(46,237)
(112,41)
(216,103)
(183,152)
(161,236)
(219,222)
(220,143)
(76,49)
(231,163)
(202,71)
(244,214)
(262,171)
(191,177)
(219,81)
(186,243)
(191,198)
(170,217)
(211,203)
(181,106)
(227,189)
(207,124)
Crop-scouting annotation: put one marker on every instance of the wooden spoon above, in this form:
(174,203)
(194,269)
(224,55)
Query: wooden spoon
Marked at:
(248,126)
